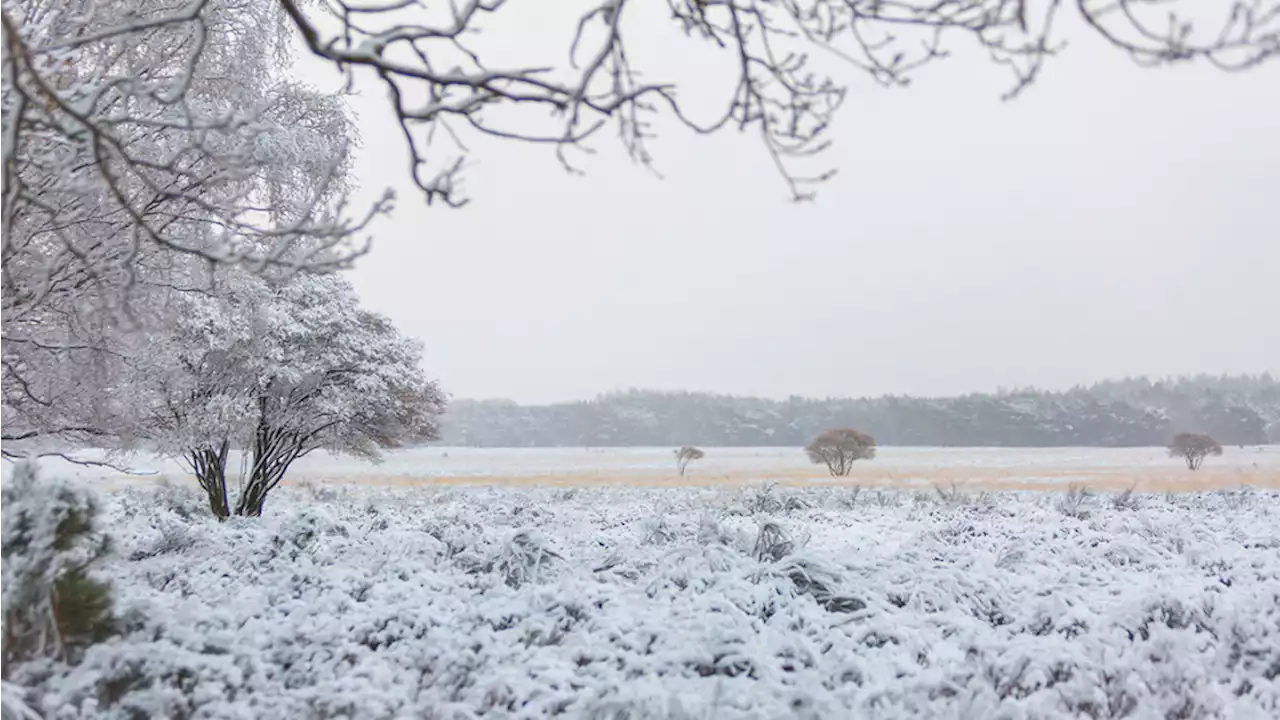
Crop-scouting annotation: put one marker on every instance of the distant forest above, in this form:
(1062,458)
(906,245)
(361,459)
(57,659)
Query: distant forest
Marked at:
(1237,410)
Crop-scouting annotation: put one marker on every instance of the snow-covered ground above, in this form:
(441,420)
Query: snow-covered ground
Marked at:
(716,602)
(1112,468)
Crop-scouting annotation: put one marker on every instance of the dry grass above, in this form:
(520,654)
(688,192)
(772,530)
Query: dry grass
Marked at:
(1005,478)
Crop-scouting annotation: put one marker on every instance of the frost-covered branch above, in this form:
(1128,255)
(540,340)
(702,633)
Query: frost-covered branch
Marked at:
(136,128)
(439,83)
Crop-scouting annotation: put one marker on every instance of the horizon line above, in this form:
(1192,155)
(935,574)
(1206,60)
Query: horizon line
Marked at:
(1263,375)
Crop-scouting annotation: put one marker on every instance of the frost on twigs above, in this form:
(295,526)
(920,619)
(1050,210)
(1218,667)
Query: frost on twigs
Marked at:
(170,112)
(145,126)
(53,606)
(783,60)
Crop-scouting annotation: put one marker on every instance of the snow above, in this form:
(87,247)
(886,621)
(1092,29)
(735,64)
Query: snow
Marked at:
(1114,468)
(450,602)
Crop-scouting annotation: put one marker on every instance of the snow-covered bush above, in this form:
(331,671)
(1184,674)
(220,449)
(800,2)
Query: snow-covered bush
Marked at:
(524,558)
(1125,500)
(53,607)
(503,602)
(1075,503)
(14,706)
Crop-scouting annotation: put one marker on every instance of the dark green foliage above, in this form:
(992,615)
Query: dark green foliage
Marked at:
(53,607)
(82,607)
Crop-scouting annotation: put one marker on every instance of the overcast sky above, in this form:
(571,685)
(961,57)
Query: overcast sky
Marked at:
(1114,220)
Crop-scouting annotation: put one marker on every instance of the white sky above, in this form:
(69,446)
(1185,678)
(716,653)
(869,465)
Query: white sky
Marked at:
(1114,220)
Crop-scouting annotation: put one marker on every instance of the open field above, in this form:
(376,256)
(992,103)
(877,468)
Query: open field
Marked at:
(589,584)
(731,602)
(1149,469)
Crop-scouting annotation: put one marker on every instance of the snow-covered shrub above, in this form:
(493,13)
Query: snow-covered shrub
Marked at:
(762,500)
(711,532)
(773,542)
(1075,503)
(14,705)
(53,607)
(821,580)
(396,604)
(524,558)
(352,383)
(657,531)
(1125,500)
(951,495)
(1238,498)
(172,536)
(848,499)
(886,498)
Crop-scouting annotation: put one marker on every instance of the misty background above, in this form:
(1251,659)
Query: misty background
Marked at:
(1112,221)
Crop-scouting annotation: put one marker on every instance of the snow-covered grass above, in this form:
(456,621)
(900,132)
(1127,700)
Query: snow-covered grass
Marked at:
(755,602)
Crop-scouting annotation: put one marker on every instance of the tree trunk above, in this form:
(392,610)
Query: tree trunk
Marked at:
(273,451)
(268,470)
(210,468)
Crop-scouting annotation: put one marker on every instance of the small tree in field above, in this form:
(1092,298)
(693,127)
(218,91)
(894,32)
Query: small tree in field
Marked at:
(1194,448)
(278,371)
(839,448)
(686,455)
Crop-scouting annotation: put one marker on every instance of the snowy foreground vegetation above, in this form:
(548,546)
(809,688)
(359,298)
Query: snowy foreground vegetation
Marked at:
(756,602)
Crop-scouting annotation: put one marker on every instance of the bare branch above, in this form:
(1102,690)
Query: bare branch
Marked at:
(777,94)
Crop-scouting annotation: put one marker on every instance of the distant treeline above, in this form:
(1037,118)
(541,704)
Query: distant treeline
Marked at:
(1237,410)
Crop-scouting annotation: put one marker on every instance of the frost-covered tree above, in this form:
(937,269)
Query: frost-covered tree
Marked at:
(139,124)
(138,133)
(1193,448)
(278,370)
(341,378)
(839,448)
(193,375)
(686,455)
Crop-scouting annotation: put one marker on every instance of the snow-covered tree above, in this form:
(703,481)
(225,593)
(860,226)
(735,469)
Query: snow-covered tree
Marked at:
(685,455)
(193,375)
(338,377)
(139,124)
(277,370)
(138,133)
